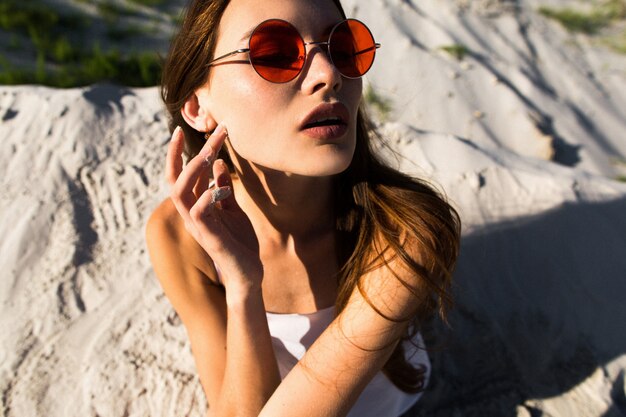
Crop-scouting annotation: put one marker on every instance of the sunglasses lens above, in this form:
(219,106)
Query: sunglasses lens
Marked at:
(277,51)
(352,48)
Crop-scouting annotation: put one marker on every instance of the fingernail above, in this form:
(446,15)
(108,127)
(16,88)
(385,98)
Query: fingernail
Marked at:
(220,194)
(207,153)
(175,133)
(221,128)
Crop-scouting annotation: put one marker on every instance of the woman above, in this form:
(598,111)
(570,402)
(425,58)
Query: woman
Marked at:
(301,266)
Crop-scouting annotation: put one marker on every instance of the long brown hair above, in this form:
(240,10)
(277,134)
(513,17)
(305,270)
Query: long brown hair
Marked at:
(378,209)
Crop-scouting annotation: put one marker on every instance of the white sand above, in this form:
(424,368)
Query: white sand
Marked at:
(526,84)
(539,328)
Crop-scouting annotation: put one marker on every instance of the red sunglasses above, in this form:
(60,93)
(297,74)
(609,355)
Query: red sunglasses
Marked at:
(277,52)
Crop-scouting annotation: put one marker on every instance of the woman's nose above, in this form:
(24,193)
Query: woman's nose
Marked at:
(319,71)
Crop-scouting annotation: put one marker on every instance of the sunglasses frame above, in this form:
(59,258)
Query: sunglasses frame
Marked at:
(321,43)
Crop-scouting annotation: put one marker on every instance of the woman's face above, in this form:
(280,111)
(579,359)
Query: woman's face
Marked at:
(268,123)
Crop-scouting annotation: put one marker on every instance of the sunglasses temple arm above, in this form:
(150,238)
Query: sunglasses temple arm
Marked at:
(364,51)
(238,51)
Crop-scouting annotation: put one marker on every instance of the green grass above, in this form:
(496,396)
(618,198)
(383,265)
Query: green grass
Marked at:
(457,51)
(8,74)
(615,8)
(112,12)
(136,70)
(616,43)
(14,16)
(621,178)
(148,2)
(15,43)
(32,16)
(576,21)
(59,62)
(601,15)
(374,100)
(121,34)
(39,24)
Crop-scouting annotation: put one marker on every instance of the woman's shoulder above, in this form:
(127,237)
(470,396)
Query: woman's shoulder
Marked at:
(167,238)
(165,217)
(165,227)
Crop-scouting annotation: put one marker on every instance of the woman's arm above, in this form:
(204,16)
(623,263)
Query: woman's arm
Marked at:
(328,380)
(251,374)
(234,321)
(231,343)
(199,302)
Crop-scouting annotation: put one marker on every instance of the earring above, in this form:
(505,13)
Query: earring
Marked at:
(207,135)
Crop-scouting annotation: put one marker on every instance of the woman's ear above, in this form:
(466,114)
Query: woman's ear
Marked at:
(196,112)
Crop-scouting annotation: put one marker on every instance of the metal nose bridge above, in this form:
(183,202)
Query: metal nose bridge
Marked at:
(327,50)
(317,43)
(327,43)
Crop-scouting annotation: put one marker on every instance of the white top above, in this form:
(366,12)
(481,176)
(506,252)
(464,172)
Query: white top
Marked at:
(293,334)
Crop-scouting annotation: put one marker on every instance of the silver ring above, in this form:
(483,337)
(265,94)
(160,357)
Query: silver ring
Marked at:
(220,194)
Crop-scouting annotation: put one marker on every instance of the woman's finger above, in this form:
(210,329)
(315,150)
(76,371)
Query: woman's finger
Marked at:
(183,191)
(216,141)
(174,160)
(223,179)
(204,182)
(207,203)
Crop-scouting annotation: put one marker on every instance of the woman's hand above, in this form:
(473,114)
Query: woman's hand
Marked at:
(212,216)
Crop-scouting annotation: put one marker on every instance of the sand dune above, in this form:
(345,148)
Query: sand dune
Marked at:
(539,324)
(525,83)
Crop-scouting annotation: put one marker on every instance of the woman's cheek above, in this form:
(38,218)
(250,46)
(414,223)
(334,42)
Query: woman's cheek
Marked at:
(241,105)
(251,115)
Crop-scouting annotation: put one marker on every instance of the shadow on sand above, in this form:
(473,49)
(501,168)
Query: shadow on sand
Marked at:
(540,306)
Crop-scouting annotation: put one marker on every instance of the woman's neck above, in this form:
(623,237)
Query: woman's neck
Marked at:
(282,207)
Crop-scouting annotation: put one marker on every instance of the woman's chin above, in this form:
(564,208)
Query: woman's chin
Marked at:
(307,166)
(324,168)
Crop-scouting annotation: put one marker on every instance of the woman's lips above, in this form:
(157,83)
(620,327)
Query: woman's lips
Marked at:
(326,132)
(326,121)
